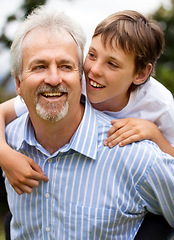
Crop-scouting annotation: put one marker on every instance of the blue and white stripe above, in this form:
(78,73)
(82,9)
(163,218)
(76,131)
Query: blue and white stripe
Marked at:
(93,192)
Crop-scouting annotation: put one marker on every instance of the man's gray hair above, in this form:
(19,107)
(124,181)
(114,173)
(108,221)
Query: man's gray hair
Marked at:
(46,19)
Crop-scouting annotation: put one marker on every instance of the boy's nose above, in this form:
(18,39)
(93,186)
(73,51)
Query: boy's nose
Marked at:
(96,69)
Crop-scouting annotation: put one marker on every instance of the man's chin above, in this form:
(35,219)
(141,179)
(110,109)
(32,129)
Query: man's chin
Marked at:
(52,115)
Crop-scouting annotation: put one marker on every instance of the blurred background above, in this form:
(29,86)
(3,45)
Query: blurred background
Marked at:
(89,13)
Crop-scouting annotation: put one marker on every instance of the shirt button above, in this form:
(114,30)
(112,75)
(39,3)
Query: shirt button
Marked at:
(47,195)
(49,160)
(48,229)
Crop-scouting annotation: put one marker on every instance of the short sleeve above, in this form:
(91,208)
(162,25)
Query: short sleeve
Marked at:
(19,106)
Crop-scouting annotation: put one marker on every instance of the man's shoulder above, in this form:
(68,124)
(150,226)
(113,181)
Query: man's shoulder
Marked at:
(93,114)
(143,154)
(17,125)
(103,118)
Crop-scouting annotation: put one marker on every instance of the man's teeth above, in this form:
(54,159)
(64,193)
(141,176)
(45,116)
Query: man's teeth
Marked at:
(58,94)
(96,85)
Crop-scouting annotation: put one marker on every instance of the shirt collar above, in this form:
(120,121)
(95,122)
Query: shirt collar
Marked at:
(84,139)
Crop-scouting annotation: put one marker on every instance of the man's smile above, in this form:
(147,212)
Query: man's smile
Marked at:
(50,94)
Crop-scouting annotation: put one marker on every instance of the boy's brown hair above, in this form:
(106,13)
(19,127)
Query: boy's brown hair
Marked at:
(134,34)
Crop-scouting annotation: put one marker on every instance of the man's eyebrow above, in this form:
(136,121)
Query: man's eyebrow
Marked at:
(67,61)
(43,61)
(37,61)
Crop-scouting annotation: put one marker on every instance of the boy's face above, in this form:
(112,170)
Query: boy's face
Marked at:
(109,74)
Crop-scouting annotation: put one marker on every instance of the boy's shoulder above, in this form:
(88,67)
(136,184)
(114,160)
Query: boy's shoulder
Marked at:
(156,90)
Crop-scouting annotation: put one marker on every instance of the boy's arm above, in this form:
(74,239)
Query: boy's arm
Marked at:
(128,130)
(22,172)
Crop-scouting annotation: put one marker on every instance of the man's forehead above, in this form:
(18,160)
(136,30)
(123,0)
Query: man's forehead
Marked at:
(54,43)
(39,34)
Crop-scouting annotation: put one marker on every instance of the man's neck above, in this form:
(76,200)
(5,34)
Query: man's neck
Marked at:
(54,135)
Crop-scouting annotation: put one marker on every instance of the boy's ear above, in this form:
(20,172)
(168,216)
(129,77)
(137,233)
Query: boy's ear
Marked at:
(143,75)
(18,84)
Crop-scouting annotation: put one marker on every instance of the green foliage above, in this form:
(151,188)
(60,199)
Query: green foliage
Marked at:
(166,77)
(28,5)
(165,65)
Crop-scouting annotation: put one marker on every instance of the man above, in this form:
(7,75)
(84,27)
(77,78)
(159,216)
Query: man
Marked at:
(93,192)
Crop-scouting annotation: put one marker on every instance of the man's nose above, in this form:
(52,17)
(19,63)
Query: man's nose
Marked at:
(53,77)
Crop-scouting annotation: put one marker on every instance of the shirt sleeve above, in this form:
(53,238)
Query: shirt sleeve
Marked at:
(19,106)
(158,188)
(166,124)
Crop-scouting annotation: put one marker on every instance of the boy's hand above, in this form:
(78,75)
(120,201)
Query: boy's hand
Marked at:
(128,130)
(22,172)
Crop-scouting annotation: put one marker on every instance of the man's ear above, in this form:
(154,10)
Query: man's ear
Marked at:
(143,75)
(18,84)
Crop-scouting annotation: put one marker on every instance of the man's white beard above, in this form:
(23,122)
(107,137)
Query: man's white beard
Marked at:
(51,114)
(51,111)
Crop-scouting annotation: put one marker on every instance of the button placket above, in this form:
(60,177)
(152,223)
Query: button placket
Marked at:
(49,160)
(47,199)
(47,229)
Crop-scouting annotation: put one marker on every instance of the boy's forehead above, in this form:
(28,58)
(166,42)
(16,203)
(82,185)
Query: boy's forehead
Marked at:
(111,45)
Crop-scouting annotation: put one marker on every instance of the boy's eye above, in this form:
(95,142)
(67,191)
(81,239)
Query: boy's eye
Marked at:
(91,55)
(114,65)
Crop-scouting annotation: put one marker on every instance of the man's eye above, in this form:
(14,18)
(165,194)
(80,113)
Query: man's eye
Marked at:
(66,67)
(39,68)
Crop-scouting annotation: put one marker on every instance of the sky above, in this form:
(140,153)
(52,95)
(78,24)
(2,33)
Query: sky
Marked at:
(88,12)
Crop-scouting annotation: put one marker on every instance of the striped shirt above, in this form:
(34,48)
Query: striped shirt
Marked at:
(93,192)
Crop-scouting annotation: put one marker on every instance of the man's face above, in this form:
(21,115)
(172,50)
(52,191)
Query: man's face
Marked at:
(109,74)
(50,74)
